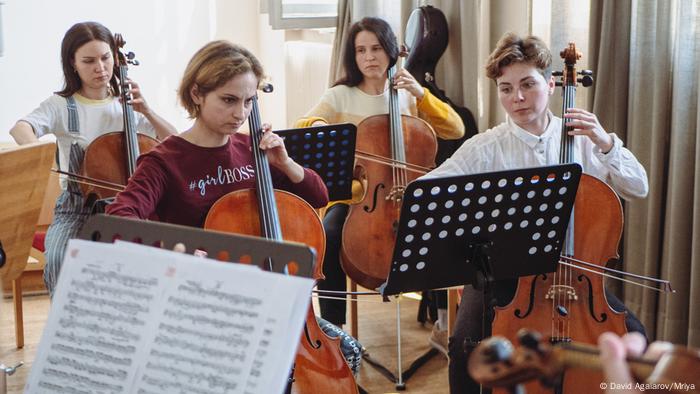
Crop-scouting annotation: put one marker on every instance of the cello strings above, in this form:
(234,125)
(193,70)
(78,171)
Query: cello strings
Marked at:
(662,282)
(612,276)
(569,91)
(392,162)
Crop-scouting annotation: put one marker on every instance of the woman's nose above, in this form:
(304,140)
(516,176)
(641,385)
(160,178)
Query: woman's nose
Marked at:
(518,96)
(239,111)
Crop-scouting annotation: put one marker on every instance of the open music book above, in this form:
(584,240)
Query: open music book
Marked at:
(137,319)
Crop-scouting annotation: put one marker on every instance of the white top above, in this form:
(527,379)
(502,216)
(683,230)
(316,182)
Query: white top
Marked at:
(343,103)
(508,146)
(95,117)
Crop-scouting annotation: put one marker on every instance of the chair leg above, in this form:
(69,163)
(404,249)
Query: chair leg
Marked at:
(19,319)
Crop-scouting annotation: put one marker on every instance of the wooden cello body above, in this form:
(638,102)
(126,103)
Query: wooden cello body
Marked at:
(319,366)
(370,229)
(570,304)
(111,157)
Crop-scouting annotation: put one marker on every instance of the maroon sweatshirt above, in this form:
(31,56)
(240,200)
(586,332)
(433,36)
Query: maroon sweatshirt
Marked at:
(178,182)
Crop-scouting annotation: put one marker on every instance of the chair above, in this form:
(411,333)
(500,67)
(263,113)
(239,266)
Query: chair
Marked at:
(24,172)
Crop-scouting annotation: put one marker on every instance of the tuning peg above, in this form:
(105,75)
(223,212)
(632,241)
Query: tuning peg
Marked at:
(586,80)
(530,339)
(130,55)
(585,72)
(499,349)
(135,62)
(558,83)
(557,73)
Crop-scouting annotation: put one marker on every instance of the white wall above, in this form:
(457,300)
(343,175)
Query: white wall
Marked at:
(163,34)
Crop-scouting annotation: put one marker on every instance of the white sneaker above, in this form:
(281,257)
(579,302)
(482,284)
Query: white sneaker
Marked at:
(438,340)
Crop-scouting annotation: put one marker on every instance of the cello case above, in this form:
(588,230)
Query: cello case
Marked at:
(426,38)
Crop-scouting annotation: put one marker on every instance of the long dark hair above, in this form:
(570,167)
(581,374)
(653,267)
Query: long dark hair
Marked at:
(77,36)
(353,76)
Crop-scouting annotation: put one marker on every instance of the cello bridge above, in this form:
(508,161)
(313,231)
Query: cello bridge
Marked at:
(396,194)
(559,290)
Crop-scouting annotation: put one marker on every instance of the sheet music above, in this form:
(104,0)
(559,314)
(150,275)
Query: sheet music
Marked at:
(131,318)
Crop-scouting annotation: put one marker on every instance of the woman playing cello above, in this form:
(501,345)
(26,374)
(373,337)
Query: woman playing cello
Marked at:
(530,137)
(86,108)
(180,179)
(370,50)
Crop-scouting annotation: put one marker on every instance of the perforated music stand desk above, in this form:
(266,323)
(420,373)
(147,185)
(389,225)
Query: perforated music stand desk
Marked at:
(516,219)
(218,245)
(328,150)
(480,228)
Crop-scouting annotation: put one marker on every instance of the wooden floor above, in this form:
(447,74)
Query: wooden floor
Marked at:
(377,333)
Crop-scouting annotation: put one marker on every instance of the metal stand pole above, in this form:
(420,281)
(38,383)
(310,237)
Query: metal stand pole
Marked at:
(402,376)
(4,373)
(400,385)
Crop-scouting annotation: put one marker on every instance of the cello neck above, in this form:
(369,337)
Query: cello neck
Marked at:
(568,84)
(567,151)
(398,150)
(269,217)
(131,145)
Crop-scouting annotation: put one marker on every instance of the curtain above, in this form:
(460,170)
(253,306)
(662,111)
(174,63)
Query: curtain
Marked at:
(344,22)
(650,98)
(350,11)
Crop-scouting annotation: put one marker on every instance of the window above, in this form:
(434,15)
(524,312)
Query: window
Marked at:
(303,14)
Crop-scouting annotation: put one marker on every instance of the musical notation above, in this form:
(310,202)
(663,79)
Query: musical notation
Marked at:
(131,318)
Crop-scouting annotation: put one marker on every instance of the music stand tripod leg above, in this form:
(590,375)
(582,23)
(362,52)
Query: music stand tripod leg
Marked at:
(403,375)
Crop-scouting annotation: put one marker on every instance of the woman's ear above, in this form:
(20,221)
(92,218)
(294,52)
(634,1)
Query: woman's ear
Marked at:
(194,94)
(551,85)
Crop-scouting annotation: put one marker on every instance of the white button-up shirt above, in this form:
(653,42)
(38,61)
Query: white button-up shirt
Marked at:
(507,147)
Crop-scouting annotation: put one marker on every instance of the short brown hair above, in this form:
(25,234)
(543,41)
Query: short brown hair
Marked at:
(213,66)
(511,48)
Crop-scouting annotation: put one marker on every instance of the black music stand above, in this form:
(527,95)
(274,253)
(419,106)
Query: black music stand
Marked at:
(218,245)
(328,150)
(481,228)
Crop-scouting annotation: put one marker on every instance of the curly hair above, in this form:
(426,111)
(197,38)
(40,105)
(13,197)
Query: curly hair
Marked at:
(511,49)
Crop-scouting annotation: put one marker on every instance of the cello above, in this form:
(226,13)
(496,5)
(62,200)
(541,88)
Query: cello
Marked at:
(370,229)
(319,365)
(570,304)
(111,158)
